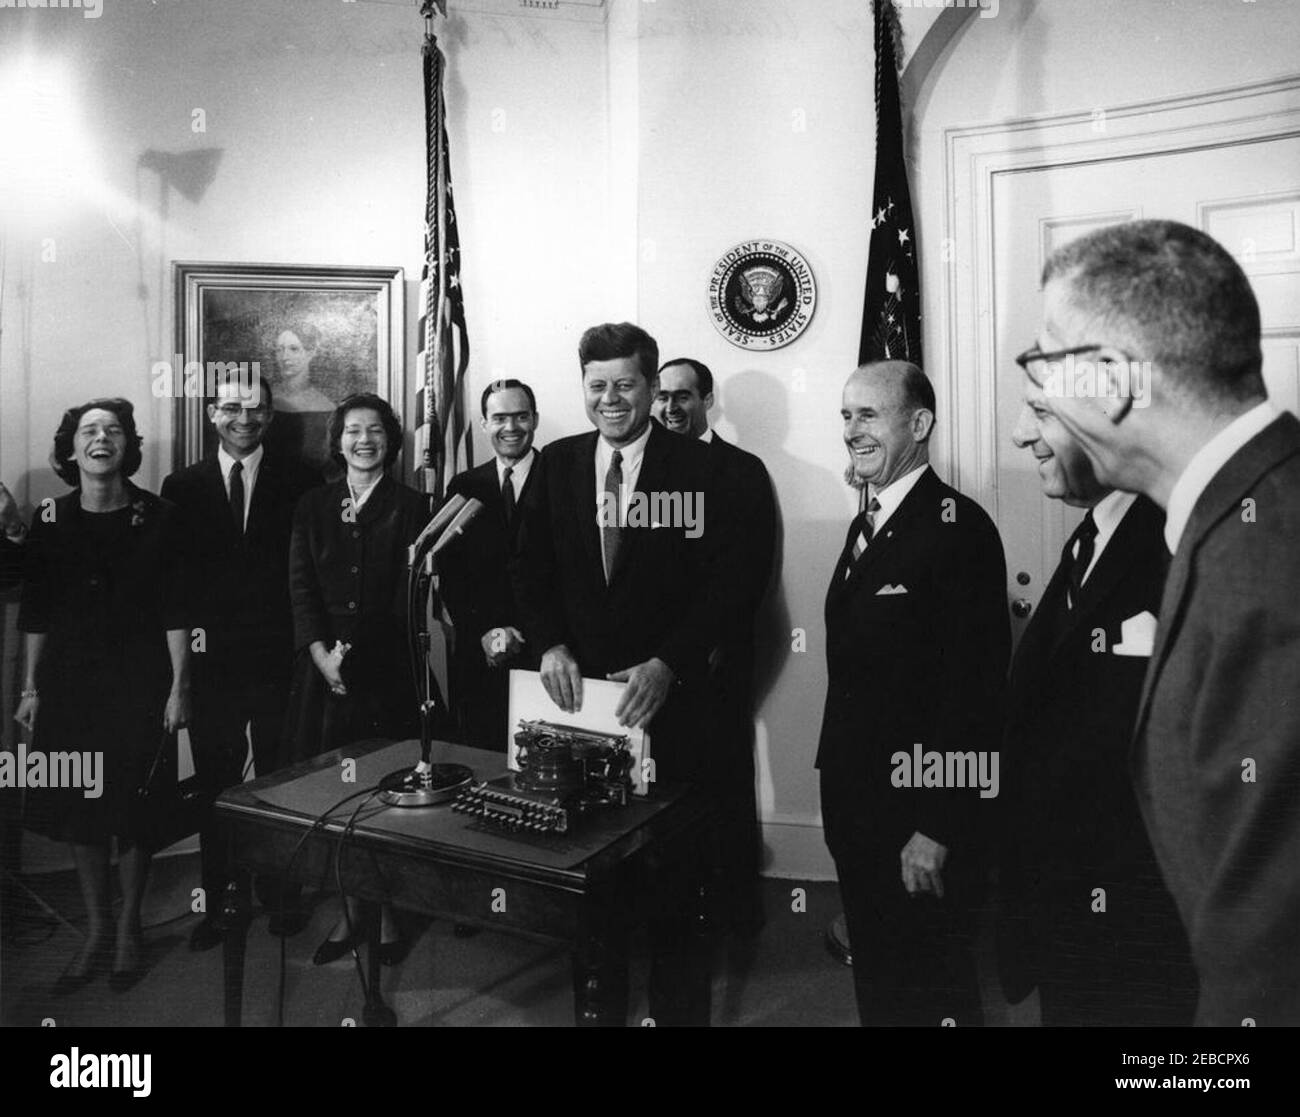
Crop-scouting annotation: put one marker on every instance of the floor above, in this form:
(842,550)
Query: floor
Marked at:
(488,980)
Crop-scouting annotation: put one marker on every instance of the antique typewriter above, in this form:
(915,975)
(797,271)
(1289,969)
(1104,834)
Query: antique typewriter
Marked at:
(564,774)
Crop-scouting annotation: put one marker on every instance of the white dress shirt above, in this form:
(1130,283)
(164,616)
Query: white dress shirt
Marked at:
(1106,514)
(707,436)
(521,469)
(893,494)
(633,453)
(1205,465)
(251,464)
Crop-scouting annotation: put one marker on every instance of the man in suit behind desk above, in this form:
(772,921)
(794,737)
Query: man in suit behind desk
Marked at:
(475,573)
(606,594)
(917,640)
(1170,330)
(745,494)
(237,509)
(1070,821)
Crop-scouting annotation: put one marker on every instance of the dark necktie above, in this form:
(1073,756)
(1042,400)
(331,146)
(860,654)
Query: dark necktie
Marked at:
(865,524)
(508,495)
(237,496)
(612,514)
(1086,536)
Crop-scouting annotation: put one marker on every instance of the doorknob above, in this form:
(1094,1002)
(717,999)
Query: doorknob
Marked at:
(1022,607)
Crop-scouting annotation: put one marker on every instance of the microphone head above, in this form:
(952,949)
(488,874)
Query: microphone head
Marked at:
(463,518)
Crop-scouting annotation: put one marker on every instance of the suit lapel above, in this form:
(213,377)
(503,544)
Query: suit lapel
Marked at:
(651,479)
(262,498)
(886,539)
(216,489)
(582,472)
(1114,563)
(1222,496)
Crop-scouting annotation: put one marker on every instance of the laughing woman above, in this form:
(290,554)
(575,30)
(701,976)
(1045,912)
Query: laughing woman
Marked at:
(107,650)
(347,579)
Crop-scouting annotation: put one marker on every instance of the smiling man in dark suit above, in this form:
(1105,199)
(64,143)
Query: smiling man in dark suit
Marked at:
(237,509)
(1070,822)
(917,641)
(475,573)
(1169,328)
(635,602)
(746,501)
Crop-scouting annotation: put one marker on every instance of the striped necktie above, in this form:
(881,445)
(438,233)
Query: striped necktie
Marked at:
(866,529)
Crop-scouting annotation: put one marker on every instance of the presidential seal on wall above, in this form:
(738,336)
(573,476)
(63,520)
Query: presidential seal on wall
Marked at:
(761,294)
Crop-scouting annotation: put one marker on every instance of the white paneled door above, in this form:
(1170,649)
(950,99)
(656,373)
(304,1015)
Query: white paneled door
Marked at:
(1244,194)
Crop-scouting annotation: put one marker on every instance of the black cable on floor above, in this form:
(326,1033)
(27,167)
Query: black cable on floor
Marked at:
(317,823)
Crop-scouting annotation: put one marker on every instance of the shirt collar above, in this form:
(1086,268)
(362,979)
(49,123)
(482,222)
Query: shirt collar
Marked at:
(1109,511)
(250,463)
(519,471)
(707,436)
(1206,464)
(893,494)
(632,452)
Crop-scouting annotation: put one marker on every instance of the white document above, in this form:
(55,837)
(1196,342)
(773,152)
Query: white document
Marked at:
(530,702)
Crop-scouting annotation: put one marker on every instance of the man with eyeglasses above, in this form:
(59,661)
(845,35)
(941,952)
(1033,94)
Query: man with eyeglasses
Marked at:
(1086,916)
(1216,752)
(237,508)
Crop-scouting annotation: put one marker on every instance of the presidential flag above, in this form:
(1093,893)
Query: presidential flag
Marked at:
(891,310)
(442,355)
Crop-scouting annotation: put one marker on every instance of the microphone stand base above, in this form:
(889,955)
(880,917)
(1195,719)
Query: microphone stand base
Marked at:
(409,788)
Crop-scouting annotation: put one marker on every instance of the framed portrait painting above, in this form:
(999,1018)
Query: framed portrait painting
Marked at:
(314,335)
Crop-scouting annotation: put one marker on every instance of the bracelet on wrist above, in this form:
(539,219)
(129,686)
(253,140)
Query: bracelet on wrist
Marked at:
(31,692)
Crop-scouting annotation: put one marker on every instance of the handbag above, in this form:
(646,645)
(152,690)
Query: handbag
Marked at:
(163,809)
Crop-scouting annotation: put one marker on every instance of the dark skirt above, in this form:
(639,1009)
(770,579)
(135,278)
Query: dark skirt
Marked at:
(381,699)
(112,712)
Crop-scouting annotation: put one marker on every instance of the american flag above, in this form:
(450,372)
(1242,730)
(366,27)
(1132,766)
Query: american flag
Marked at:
(891,310)
(442,355)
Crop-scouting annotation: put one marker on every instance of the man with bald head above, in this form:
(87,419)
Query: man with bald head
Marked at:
(917,641)
(1149,355)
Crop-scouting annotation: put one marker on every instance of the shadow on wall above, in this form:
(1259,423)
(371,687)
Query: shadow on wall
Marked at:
(756,405)
(808,498)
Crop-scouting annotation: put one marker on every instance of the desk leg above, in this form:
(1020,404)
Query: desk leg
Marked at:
(600,987)
(376,1014)
(680,985)
(235,915)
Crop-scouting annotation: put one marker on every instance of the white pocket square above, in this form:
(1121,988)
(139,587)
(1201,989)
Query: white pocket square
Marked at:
(1137,636)
(889,589)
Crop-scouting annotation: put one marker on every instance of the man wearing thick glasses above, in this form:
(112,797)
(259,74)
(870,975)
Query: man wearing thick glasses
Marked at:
(1216,753)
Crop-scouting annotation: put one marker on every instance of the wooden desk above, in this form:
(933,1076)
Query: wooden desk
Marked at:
(625,866)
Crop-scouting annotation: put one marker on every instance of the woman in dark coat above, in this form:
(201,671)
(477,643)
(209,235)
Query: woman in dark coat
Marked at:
(107,671)
(347,580)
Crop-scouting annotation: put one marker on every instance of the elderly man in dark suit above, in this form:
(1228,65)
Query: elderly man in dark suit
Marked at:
(1086,915)
(605,594)
(237,510)
(682,405)
(917,641)
(1149,354)
(475,573)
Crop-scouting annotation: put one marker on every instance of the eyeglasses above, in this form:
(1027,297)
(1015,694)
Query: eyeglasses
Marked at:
(234,410)
(1034,353)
